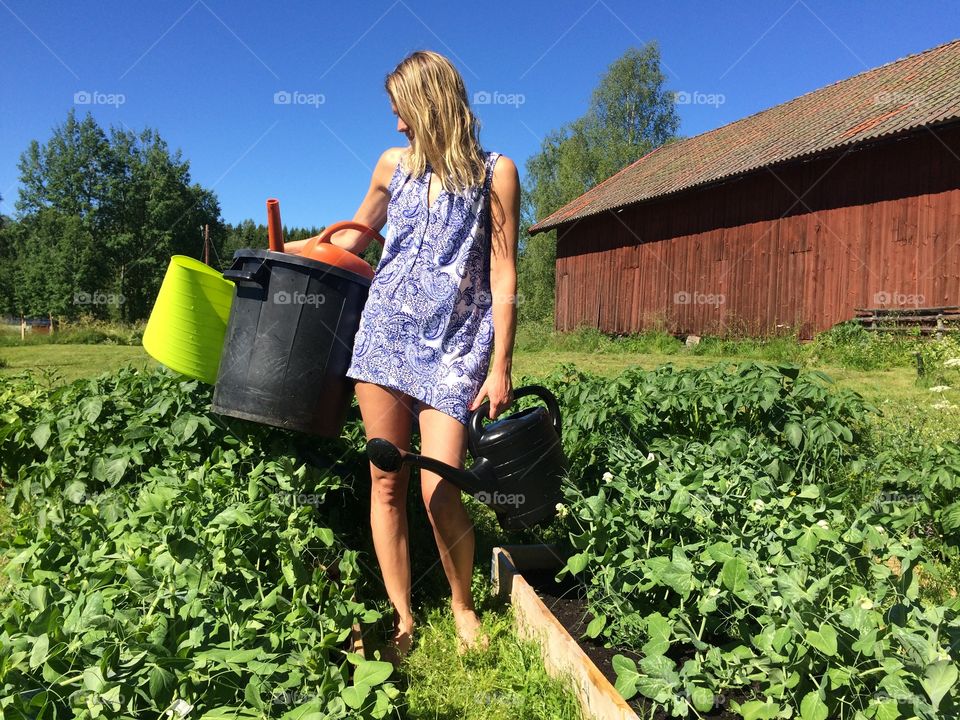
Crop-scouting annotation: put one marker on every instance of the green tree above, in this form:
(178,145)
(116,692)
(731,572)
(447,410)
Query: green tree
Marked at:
(7,257)
(135,203)
(58,267)
(630,113)
(248,234)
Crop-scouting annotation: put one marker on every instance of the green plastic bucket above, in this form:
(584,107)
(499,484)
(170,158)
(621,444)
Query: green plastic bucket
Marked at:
(189,319)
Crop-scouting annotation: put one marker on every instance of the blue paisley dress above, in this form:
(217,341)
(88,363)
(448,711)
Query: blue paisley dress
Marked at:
(427,326)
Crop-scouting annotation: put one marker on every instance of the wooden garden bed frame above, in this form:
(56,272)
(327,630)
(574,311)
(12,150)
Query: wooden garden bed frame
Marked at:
(563,657)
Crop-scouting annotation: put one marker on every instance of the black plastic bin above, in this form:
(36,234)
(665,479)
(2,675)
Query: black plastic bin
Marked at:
(289,342)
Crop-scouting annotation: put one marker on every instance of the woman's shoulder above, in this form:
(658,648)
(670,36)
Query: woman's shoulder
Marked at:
(393,155)
(500,160)
(504,169)
(388,166)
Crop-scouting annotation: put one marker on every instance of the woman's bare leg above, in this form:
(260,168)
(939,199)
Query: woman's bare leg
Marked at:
(444,438)
(388,414)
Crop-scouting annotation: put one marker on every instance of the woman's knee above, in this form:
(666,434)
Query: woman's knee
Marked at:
(442,502)
(389,488)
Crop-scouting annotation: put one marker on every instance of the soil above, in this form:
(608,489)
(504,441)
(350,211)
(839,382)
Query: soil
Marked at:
(566,601)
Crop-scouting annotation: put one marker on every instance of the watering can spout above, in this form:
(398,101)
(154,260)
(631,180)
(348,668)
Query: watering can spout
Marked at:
(479,481)
(274,226)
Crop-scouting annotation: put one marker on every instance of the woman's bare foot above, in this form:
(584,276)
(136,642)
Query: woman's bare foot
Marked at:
(398,646)
(469,635)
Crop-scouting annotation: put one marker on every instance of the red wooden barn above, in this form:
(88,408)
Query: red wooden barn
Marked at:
(785,221)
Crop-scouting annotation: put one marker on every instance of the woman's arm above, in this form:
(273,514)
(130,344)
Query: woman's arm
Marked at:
(373,210)
(505,217)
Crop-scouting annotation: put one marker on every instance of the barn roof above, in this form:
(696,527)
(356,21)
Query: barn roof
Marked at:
(915,91)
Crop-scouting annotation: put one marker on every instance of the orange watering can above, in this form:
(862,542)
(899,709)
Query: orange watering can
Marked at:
(319,246)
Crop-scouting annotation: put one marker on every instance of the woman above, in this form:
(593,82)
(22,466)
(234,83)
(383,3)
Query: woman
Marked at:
(440,313)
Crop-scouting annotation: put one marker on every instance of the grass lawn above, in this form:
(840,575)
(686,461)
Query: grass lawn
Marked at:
(505,682)
(71,362)
(894,391)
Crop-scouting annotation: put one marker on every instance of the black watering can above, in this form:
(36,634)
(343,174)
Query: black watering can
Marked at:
(518,465)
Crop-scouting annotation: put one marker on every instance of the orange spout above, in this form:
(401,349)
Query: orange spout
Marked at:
(274,226)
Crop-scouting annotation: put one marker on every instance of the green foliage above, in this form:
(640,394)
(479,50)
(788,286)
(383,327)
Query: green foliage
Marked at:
(940,359)
(100,215)
(160,559)
(536,268)
(505,682)
(7,256)
(850,345)
(782,349)
(743,529)
(630,113)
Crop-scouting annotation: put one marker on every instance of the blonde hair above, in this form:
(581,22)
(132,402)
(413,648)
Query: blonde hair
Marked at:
(431,98)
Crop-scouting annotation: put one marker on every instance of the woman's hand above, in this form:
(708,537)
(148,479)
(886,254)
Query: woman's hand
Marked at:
(498,387)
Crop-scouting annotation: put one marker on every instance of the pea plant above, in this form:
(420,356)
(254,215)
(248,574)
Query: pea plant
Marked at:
(731,529)
(162,564)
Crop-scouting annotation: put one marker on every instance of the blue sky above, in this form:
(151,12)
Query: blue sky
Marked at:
(205,73)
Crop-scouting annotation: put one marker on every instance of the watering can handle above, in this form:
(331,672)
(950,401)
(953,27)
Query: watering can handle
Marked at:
(312,243)
(476,419)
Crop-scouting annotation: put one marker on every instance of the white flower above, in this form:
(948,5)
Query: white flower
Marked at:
(650,456)
(607,476)
(866,603)
(562,510)
(181,708)
(942,655)
(823,523)
(880,529)
(758,504)
(939,388)
(943,405)
(770,570)
(952,362)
